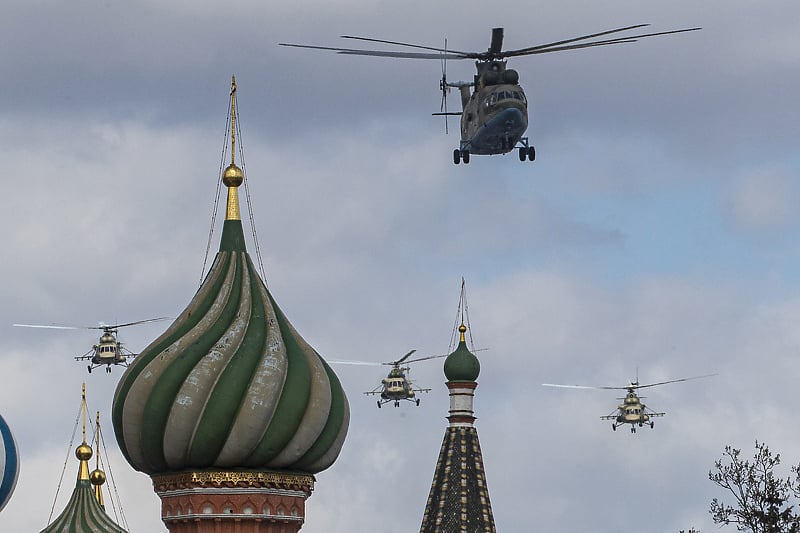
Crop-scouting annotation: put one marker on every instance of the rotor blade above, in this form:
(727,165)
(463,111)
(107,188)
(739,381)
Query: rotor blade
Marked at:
(426,358)
(47,327)
(568,47)
(496,45)
(115,326)
(364,363)
(353,51)
(397,43)
(557,47)
(580,386)
(402,358)
(672,381)
(575,39)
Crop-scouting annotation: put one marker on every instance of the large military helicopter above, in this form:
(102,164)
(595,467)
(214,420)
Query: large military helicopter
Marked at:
(631,411)
(494,115)
(109,350)
(396,386)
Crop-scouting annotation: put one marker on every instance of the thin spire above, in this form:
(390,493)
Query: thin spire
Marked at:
(233,175)
(98,477)
(84,451)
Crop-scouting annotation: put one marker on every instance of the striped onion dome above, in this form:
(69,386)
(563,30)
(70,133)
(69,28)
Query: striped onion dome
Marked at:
(230,384)
(84,512)
(9,463)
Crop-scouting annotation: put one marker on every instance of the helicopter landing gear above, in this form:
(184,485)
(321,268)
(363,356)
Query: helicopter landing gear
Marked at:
(417,402)
(89,368)
(460,155)
(652,424)
(108,370)
(633,429)
(527,152)
(396,403)
(379,404)
(613,426)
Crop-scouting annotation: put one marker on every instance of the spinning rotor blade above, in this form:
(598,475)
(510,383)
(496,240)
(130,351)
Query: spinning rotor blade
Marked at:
(407,55)
(401,359)
(574,39)
(396,43)
(578,386)
(630,386)
(115,326)
(560,45)
(47,327)
(672,381)
(361,363)
(426,358)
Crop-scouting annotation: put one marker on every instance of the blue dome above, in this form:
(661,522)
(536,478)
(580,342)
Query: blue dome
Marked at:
(9,463)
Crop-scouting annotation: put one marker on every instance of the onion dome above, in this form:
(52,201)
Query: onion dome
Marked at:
(9,463)
(231,384)
(84,512)
(462,365)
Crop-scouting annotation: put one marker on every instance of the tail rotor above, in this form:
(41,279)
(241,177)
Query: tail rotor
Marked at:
(444,87)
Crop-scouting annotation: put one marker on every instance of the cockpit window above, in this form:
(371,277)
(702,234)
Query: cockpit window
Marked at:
(505,95)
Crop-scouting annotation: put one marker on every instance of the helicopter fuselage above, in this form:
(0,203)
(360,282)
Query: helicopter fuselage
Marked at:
(494,119)
(632,411)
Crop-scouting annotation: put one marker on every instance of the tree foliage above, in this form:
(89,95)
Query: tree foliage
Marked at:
(764,501)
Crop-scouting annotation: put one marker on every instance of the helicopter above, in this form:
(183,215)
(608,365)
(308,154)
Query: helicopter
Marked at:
(494,115)
(631,411)
(108,351)
(396,386)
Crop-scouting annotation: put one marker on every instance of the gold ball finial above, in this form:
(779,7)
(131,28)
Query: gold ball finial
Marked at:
(462,328)
(83,452)
(233,176)
(97,477)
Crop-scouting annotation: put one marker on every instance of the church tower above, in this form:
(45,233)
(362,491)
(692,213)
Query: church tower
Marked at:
(230,411)
(459,498)
(85,511)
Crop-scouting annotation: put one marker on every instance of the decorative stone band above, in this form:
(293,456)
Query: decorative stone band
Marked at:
(462,394)
(258,501)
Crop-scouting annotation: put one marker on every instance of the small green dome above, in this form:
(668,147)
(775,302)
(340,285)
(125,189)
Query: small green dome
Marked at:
(462,365)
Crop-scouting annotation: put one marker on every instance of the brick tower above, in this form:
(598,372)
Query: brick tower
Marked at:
(459,498)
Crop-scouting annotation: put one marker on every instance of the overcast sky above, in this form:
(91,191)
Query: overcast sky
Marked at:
(657,232)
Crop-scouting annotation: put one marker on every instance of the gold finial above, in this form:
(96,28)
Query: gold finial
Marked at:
(98,477)
(462,329)
(233,175)
(84,451)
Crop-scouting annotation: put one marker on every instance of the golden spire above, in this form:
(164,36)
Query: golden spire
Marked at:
(233,175)
(98,477)
(462,329)
(84,451)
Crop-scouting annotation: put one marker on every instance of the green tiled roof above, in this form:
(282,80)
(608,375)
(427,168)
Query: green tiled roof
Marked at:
(83,514)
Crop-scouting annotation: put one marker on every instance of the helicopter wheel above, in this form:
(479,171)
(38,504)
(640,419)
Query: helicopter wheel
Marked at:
(613,426)
(108,370)
(652,424)
(397,404)
(89,368)
(531,153)
(456,156)
(379,404)
(417,402)
(633,429)
(522,153)
(465,156)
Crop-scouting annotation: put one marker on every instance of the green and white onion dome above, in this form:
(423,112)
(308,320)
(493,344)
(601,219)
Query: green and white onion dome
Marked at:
(230,384)
(9,463)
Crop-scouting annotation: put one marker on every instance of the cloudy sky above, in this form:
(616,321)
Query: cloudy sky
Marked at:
(657,233)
